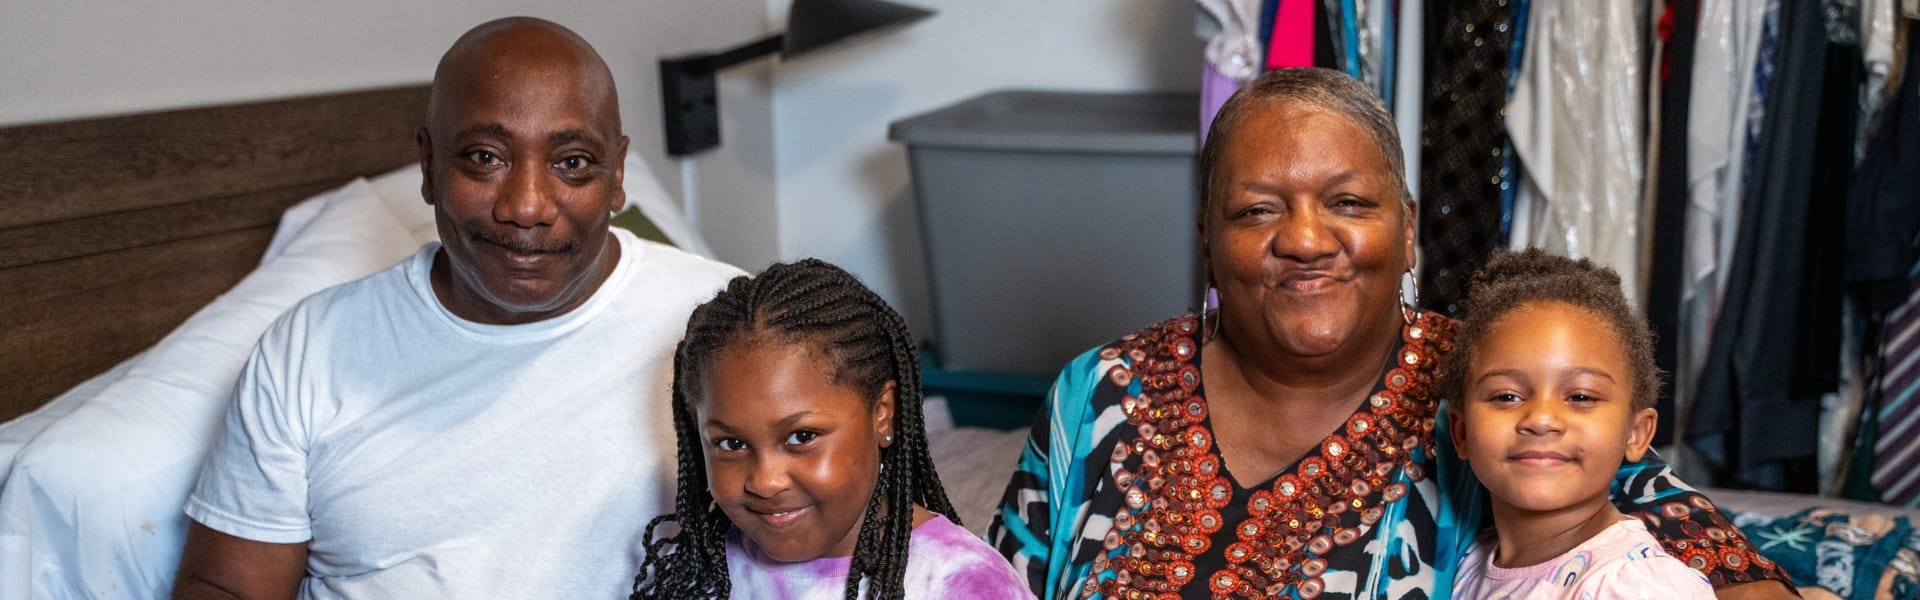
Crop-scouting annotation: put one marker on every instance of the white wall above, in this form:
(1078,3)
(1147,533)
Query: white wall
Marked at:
(68,60)
(844,191)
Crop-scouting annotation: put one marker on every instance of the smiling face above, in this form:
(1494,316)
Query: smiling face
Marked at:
(1306,235)
(523,163)
(792,457)
(1547,415)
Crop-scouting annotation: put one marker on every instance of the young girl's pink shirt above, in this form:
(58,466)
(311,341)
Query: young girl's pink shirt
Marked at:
(1622,562)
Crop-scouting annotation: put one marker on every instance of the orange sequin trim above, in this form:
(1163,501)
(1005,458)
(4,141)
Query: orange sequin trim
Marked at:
(1170,479)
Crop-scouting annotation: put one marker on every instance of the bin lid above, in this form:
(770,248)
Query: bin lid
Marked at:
(1052,121)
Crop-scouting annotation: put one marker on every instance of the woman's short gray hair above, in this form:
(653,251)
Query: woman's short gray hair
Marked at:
(1323,88)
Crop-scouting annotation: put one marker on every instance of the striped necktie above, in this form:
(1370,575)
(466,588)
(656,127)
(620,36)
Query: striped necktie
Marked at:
(1896,452)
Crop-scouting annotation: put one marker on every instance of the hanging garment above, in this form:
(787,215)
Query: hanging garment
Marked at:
(1896,468)
(1876,54)
(1753,417)
(1820,327)
(1338,16)
(1325,53)
(1517,201)
(1370,20)
(1575,121)
(1268,17)
(1666,274)
(1236,50)
(1883,210)
(1883,273)
(1386,28)
(1510,166)
(1461,148)
(1291,44)
(1408,75)
(1215,89)
(1725,50)
(1233,54)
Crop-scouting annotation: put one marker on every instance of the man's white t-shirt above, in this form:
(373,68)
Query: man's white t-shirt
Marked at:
(424,455)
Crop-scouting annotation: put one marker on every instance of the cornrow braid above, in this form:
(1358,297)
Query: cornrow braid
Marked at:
(806,302)
(696,566)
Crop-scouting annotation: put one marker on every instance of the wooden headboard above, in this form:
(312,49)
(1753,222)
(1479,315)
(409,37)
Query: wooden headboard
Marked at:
(115,230)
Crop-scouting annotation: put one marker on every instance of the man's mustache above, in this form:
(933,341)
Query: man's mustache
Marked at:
(523,246)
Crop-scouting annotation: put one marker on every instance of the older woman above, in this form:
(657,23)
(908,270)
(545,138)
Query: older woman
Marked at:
(1284,446)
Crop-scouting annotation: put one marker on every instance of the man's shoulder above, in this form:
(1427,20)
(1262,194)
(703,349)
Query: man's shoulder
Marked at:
(380,291)
(656,259)
(661,269)
(381,286)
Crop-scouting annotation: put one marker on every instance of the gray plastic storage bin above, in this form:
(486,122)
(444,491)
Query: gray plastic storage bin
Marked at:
(1053,221)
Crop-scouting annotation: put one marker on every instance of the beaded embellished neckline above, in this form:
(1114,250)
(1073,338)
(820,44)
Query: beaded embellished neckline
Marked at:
(1173,485)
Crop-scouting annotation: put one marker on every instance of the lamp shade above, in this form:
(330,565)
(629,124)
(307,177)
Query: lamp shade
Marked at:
(815,24)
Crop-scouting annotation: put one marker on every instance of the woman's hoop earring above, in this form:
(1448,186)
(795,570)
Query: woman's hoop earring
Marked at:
(1409,307)
(1206,303)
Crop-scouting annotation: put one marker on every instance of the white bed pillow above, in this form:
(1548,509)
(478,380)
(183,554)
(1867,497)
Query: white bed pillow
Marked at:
(294,220)
(92,505)
(15,434)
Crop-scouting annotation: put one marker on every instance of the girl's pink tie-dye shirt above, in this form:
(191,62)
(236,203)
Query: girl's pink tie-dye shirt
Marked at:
(1623,562)
(943,561)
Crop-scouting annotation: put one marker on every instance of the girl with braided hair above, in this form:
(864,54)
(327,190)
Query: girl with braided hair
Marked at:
(804,469)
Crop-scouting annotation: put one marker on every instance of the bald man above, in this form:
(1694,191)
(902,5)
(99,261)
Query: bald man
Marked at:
(489,418)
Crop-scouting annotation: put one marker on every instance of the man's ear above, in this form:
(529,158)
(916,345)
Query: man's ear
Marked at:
(883,415)
(620,179)
(1640,433)
(425,144)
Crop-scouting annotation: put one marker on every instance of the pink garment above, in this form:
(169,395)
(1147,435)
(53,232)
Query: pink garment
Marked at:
(1291,44)
(943,561)
(1622,562)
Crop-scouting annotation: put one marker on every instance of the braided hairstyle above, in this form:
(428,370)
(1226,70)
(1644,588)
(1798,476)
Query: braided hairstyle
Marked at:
(1511,280)
(815,303)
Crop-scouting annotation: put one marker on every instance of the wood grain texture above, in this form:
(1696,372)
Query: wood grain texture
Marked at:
(114,230)
(118,304)
(100,166)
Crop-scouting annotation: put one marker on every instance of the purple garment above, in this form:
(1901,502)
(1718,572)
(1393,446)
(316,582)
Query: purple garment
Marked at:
(1215,88)
(943,561)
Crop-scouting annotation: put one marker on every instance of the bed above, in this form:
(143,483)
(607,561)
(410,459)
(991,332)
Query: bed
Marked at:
(141,256)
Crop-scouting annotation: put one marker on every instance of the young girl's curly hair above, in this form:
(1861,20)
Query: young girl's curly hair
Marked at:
(1511,280)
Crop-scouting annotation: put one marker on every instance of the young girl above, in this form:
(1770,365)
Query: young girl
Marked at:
(804,468)
(1555,382)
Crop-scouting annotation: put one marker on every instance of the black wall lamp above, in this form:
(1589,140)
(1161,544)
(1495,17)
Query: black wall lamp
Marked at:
(689,94)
